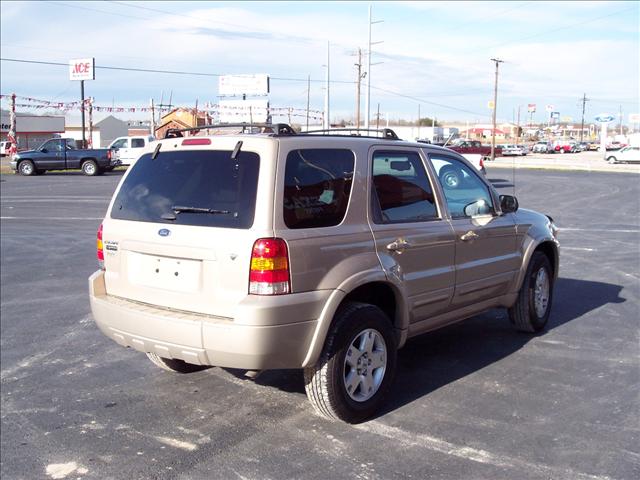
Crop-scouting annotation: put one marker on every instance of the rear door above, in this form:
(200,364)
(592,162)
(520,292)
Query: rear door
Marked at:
(486,254)
(414,242)
(158,252)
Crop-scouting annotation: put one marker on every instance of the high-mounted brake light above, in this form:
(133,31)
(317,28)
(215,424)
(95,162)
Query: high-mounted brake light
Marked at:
(100,248)
(196,141)
(269,274)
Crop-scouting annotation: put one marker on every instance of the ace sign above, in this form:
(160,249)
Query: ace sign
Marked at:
(82,69)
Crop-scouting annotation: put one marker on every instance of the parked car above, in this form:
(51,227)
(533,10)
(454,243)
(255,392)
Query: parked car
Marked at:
(315,251)
(583,146)
(464,146)
(594,146)
(624,155)
(129,149)
(562,146)
(62,154)
(542,147)
(510,150)
(4,148)
(615,145)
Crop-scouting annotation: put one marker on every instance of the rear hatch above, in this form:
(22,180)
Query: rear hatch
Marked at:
(181,227)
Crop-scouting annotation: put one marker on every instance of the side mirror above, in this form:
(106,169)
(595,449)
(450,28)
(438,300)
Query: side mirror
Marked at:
(508,203)
(44,150)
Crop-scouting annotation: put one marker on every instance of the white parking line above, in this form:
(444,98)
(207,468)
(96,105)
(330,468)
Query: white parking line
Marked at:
(597,230)
(581,249)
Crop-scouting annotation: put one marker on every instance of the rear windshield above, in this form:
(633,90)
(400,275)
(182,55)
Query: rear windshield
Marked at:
(203,180)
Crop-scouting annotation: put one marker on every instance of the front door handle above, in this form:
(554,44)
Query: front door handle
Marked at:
(470,235)
(398,245)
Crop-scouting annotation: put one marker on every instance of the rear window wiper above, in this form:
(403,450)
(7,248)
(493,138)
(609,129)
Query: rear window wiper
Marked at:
(182,209)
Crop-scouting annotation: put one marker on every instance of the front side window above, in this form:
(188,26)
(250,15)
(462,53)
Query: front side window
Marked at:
(317,185)
(198,187)
(466,194)
(54,146)
(401,189)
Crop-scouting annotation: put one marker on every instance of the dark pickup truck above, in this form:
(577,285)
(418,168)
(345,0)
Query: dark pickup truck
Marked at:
(62,154)
(462,145)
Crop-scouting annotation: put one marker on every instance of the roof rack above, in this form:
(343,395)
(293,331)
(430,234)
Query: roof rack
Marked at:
(385,133)
(269,128)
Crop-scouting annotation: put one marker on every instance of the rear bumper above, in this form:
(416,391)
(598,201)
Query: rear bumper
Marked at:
(253,342)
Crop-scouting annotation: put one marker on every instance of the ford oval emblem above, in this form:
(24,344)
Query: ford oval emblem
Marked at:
(164,232)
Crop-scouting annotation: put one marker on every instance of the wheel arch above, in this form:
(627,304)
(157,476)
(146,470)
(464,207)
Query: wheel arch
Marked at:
(549,248)
(372,288)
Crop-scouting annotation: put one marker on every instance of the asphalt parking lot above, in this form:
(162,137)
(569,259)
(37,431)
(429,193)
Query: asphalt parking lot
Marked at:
(472,401)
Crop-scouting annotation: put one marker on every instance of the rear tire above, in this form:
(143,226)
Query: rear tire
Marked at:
(531,311)
(90,168)
(612,160)
(26,168)
(174,365)
(357,365)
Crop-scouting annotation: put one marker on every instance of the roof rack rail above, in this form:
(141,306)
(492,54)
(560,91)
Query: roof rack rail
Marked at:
(385,133)
(270,128)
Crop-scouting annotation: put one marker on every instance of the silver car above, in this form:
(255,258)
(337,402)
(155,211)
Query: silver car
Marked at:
(319,251)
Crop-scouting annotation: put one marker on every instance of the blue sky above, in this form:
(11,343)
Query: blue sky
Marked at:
(434,54)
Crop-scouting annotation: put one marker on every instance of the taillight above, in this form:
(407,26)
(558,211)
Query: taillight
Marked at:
(109,154)
(100,248)
(481,163)
(269,273)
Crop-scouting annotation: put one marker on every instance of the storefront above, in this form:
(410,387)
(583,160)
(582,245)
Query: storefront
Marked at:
(32,130)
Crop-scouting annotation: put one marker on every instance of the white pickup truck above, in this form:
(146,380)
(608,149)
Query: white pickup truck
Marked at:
(129,149)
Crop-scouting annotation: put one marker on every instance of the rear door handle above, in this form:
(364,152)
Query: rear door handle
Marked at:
(398,245)
(470,235)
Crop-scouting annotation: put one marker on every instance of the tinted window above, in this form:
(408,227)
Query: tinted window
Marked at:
(54,145)
(466,194)
(137,142)
(201,179)
(317,187)
(402,192)
(122,143)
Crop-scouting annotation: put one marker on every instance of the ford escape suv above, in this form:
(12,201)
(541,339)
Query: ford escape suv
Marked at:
(323,251)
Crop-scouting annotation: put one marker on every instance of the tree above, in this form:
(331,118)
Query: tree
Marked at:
(427,122)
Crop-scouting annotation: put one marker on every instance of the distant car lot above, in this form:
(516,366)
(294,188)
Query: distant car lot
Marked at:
(475,400)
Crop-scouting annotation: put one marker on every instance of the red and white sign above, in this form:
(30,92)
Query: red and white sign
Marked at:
(532,107)
(82,69)
(243,84)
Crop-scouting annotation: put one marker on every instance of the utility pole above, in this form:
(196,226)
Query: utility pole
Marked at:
(84,138)
(495,107)
(308,98)
(418,120)
(378,118)
(153,119)
(327,120)
(358,81)
(518,127)
(584,101)
(620,119)
(368,101)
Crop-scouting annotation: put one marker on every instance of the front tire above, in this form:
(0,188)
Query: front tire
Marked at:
(531,311)
(356,367)
(174,365)
(26,168)
(612,160)
(90,168)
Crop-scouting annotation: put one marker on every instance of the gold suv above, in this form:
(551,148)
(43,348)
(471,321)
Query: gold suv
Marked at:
(262,248)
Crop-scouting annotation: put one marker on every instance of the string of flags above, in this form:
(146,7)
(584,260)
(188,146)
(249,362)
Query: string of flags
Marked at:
(208,107)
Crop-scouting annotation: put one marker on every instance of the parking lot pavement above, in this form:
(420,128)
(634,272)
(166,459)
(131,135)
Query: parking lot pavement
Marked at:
(474,400)
(583,161)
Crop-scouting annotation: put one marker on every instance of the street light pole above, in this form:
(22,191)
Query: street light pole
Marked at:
(495,107)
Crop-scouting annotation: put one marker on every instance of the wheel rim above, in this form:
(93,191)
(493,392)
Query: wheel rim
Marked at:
(364,365)
(26,168)
(541,293)
(89,168)
(451,180)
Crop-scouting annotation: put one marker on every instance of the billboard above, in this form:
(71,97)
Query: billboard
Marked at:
(531,107)
(257,84)
(555,115)
(244,111)
(491,105)
(82,69)
(634,118)
(549,108)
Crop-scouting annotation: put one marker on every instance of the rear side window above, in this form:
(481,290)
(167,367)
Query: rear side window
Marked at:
(221,189)
(401,189)
(137,142)
(317,186)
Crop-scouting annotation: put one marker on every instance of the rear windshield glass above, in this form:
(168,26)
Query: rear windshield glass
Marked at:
(317,187)
(165,189)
